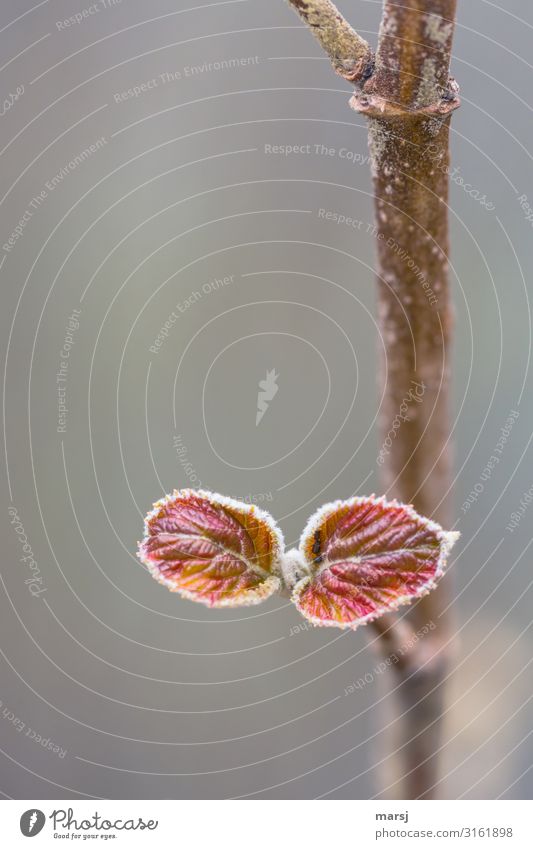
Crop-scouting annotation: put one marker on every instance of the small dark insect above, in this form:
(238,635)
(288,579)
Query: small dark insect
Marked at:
(316,548)
(369,70)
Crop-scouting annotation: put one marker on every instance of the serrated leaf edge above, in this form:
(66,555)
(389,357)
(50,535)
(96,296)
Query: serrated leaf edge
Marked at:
(447,540)
(272,581)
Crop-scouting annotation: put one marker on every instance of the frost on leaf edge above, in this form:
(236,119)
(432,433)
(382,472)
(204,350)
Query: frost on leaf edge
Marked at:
(272,581)
(447,539)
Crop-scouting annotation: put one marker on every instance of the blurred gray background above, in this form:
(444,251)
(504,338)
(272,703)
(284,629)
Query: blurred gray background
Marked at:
(140,179)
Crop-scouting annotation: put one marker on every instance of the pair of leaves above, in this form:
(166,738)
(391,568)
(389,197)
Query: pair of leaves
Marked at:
(357,559)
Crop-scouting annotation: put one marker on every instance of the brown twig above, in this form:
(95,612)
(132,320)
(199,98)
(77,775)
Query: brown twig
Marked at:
(351,55)
(408,100)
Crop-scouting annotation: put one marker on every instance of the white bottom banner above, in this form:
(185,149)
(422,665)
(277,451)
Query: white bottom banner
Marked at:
(205,823)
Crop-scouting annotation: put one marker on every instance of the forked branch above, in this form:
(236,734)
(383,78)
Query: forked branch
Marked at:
(351,55)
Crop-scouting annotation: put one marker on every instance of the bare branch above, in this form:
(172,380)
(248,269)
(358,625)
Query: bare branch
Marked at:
(350,54)
(409,101)
(413,56)
(408,97)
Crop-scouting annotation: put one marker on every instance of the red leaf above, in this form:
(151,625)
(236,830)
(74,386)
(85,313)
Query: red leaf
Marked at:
(212,549)
(365,558)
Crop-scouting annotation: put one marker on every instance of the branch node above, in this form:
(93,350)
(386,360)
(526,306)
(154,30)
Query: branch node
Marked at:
(375,106)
